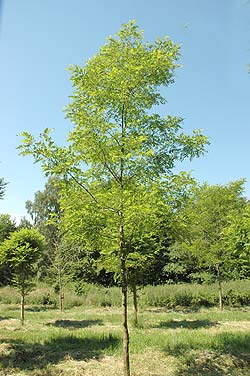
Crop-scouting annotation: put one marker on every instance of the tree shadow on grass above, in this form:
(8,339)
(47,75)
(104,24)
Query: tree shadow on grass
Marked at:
(33,308)
(193,309)
(23,355)
(186,324)
(226,354)
(75,324)
(40,308)
(5,318)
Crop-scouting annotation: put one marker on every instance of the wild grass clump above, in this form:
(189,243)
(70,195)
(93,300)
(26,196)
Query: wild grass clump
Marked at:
(99,296)
(8,295)
(236,293)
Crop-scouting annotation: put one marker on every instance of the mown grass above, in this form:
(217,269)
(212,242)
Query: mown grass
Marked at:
(87,341)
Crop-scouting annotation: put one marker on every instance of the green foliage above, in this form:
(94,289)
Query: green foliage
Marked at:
(180,265)
(204,220)
(237,240)
(125,148)
(45,210)
(25,223)
(87,268)
(21,251)
(7,226)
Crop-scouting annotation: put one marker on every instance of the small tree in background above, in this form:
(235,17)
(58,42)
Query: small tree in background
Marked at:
(21,251)
(204,222)
(7,226)
(61,267)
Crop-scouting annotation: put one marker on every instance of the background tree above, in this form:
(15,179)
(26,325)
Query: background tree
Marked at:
(204,221)
(2,188)
(24,223)
(237,240)
(7,226)
(45,213)
(62,267)
(21,251)
(181,264)
(120,141)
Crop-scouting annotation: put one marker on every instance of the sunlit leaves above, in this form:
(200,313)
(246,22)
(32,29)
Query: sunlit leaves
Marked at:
(119,152)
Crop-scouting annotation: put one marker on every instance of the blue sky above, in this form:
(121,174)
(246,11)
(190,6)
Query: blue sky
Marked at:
(39,39)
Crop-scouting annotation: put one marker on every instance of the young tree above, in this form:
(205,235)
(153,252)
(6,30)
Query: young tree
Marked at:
(204,222)
(61,267)
(117,143)
(21,251)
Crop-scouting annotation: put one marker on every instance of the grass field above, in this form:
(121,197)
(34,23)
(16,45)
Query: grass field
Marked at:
(87,341)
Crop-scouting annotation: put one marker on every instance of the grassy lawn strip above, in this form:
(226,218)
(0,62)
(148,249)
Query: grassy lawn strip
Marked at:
(88,342)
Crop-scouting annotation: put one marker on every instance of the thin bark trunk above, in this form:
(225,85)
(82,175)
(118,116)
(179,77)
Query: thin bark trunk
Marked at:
(61,294)
(22,307)
(135,304)
(126,365)
(61,301)
(219,288)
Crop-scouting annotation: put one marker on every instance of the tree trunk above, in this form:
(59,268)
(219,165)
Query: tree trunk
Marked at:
(135,304)
(61,300)
(126,365)
(219,288)
(61,294)
(22,306)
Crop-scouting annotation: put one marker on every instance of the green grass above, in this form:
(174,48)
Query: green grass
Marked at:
(87,341)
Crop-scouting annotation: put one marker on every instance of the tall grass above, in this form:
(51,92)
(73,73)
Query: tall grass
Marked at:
(236,293)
